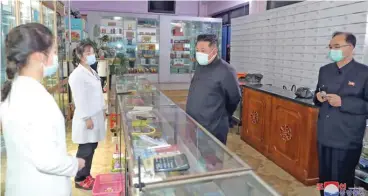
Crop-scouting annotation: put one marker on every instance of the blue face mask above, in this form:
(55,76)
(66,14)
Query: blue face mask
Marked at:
(91,59)
(336,55)
(52,69)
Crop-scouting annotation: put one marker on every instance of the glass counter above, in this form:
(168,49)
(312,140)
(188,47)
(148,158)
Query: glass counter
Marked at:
(154,127)
(243,183)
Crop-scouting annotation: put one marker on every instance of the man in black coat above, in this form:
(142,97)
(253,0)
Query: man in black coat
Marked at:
(342,95)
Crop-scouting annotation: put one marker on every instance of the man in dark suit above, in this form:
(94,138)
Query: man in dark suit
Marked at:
(342,95)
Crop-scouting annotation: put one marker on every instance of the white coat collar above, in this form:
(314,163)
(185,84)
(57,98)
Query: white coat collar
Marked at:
(29,81)
(92,74)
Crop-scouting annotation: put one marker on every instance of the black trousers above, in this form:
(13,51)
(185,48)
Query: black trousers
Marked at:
(337,164)
(86,152)
(103,80)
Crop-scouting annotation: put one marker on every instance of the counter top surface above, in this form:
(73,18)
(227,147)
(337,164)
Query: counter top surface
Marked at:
(279,92)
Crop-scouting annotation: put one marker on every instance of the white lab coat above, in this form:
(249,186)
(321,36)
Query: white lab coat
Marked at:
(34,133)
(89,103)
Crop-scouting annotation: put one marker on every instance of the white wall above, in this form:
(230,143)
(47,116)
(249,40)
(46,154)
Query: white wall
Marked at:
(288,45)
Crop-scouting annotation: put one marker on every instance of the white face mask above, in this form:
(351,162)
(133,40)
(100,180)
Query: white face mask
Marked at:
(202,58)
(51,69)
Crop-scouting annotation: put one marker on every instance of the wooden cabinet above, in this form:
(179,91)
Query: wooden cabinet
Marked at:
(282,130)
(256,119)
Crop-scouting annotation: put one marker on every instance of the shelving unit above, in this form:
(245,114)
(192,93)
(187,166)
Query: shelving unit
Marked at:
(137,38)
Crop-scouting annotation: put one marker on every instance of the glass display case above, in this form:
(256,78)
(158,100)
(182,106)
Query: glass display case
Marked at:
(183,40)
(243,183)
(148,45)
(35,10)
(163,144)
(48,17)
(8,21)
(25,11)
(136,38)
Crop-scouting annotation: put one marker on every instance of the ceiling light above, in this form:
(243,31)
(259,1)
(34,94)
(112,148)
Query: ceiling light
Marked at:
(117,18)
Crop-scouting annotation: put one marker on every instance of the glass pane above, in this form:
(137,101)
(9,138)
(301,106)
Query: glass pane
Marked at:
(165,129)
(7,23)
(25,11)
(206,28)
(63,96)
(111,36)
(130,42)
(35,7)
(48,17)
(247,184)
(148,46)
(182,47)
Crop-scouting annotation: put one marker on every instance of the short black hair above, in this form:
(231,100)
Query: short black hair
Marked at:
(212,38)
(349,37)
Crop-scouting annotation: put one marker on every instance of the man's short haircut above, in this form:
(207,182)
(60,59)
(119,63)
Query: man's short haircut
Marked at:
(212,38)
(349,37)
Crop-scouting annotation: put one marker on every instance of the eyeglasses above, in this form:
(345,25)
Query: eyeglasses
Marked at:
(337,47)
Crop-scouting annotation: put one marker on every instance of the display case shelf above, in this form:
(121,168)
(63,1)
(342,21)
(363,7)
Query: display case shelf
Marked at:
(153,126)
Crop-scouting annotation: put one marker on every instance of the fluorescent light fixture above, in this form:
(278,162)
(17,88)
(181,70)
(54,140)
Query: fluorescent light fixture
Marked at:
(117,18)
(118,45)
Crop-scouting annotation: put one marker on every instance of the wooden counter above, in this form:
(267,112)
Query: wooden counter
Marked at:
(282,128)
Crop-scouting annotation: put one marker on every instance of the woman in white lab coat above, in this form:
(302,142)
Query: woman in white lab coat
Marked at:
(88,126)
(33,125)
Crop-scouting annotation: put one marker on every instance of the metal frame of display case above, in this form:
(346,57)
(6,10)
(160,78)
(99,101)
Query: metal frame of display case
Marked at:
(165,103)
(251,187)
(165,46)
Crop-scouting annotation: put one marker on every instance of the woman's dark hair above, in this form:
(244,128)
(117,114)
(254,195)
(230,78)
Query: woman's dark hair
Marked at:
(20,43)
(78,52)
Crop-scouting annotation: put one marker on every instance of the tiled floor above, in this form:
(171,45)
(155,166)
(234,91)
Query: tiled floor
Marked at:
(281,181)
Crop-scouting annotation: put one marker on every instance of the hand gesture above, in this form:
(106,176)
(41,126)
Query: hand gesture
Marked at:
(89,123)
(321,96)
(334,100)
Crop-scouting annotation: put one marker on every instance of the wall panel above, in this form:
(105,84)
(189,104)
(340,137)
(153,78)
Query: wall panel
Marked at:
(288,45)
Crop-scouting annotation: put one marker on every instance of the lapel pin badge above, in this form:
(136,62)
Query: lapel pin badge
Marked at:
(350,83)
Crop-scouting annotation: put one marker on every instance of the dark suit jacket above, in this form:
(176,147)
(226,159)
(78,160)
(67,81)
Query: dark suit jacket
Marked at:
(343,127)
